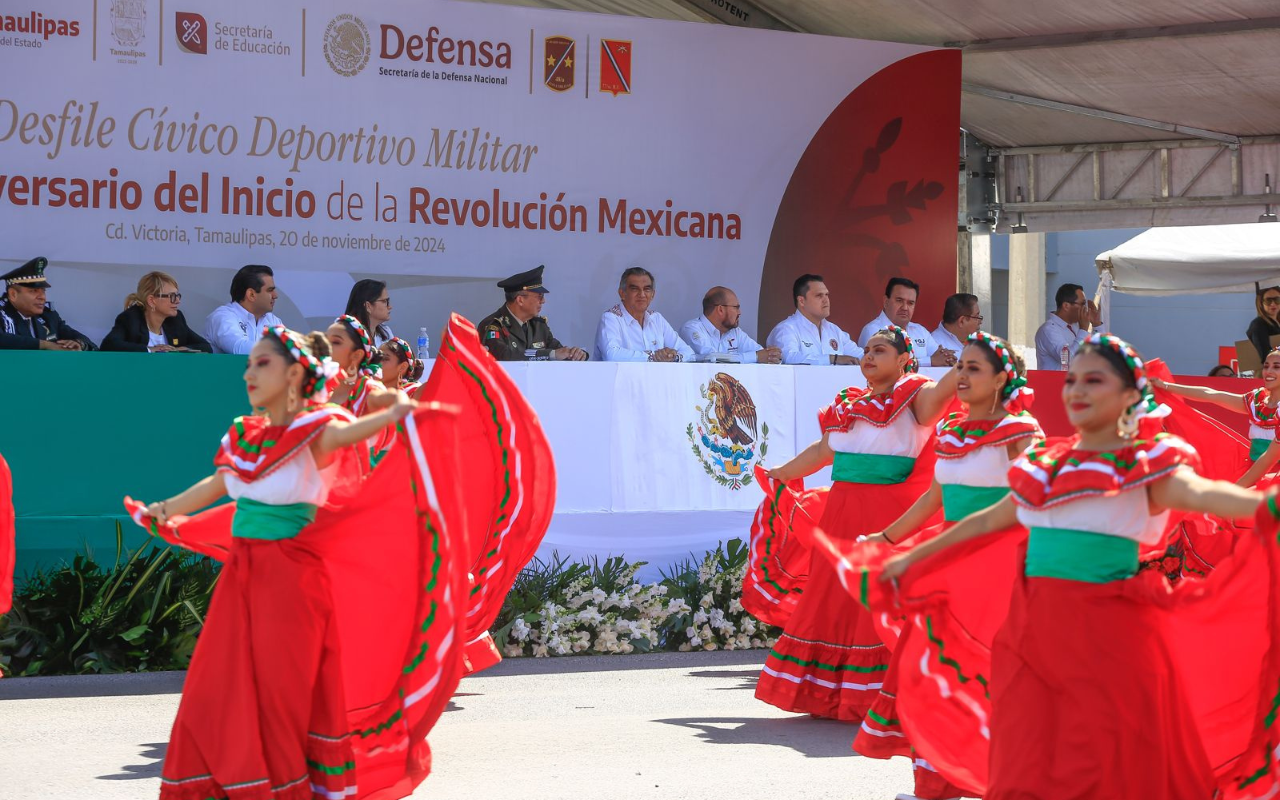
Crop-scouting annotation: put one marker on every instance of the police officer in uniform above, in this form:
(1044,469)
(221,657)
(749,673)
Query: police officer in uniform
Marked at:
(515,332)
(27,321)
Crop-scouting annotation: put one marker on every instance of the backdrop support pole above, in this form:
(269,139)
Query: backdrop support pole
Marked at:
(1026,288)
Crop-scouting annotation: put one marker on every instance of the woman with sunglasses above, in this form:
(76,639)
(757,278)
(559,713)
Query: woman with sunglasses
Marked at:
(151,321)
(1258,404)
(1104,680)
(370,303)
(1267,323)
(830,660)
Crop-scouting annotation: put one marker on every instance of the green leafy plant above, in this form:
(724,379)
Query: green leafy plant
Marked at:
(141,612)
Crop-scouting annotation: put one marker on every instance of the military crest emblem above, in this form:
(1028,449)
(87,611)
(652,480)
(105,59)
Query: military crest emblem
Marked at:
(615,66)
(834,345)
(727,438)
(558,63)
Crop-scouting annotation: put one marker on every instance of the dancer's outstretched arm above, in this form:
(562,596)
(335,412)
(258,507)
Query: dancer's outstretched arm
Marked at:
(344,434)
(931,402)
(907,525)
(1186,491)
(205,493)
(1261,467)
(999,516)
(1228,400)
(807,461)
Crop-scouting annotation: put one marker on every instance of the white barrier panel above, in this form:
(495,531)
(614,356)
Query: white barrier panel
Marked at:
(633,482)
(442,146)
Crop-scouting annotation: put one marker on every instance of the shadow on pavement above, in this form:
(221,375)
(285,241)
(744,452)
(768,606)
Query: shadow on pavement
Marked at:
(748,677)
(134,772)
(814,738)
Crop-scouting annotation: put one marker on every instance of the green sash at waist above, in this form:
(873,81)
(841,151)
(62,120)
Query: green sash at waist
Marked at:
(254,520)
(871,468)
(1080,556)
(959,501)
(1257,447)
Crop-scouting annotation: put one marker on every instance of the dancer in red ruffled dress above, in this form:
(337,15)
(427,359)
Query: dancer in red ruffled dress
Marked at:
(830,661)
(974,448)
(1259,405)
(333,639)
(1106,681)
(359,378)
(400,370)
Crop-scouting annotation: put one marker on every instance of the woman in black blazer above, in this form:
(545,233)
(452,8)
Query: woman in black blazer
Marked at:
(151,321)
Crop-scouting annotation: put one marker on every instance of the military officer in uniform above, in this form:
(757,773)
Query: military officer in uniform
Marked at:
(27,321)
(515,332)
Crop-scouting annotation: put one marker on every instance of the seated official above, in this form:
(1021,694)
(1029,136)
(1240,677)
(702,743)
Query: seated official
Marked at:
(900,296)
(807,336)
(631,332)
(27,321)
(151,321)
(961,317)
(237,326)
(517,331)
(717,331)
(370,303)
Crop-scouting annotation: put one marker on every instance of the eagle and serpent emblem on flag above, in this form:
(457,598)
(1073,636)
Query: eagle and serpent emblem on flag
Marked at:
(726,438)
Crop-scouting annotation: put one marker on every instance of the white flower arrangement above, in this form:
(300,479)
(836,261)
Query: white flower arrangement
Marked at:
(602,609)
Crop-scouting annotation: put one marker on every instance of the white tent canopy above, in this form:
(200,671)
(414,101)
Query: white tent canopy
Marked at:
(1194,260)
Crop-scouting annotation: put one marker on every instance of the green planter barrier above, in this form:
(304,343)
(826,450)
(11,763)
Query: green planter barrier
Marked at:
(84,429)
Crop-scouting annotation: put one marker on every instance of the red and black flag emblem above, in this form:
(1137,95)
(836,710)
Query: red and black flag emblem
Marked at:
(615,66)
(557,66)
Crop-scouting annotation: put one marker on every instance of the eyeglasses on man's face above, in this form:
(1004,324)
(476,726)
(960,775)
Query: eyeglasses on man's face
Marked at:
(978,317)
(726,305)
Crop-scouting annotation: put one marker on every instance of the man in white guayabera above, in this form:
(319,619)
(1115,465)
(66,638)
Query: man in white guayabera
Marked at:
(807,336)
(631,332)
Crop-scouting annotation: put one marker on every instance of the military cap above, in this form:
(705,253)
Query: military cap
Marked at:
(29,274)
(530,281)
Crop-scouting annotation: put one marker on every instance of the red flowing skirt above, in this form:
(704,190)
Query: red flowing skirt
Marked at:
(325,659)
(1019,688)
(830,660)
(8,548)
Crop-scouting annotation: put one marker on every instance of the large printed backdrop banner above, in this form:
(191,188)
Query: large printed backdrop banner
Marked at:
(444,145)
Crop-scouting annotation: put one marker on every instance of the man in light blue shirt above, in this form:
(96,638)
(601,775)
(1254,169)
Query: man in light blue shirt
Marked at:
(717,331)
(237,326)
(631,332)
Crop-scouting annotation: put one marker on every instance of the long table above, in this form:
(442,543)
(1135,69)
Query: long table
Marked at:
(636,476)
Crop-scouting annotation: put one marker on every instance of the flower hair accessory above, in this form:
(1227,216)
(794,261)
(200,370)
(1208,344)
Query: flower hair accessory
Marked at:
(913,363)
(1016,396)
(1147,406)
(366,344)
(317,368)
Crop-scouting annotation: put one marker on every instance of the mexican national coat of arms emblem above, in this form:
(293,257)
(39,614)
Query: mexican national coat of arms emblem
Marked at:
(726,439)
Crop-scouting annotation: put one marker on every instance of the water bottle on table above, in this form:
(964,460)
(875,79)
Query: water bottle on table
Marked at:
(424,345)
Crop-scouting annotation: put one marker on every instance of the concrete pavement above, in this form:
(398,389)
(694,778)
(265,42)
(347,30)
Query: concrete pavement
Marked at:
(673,726)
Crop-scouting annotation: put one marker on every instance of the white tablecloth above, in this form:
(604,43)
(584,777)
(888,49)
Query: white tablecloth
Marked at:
(636,478)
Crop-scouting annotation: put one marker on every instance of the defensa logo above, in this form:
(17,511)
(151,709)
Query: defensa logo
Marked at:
(434,47)
(347,45)
(38,24)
